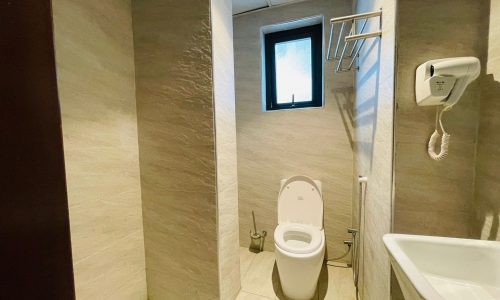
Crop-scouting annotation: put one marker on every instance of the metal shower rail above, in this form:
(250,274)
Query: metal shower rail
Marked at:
(353,36)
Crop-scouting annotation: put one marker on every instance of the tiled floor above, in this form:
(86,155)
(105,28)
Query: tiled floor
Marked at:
(260,281)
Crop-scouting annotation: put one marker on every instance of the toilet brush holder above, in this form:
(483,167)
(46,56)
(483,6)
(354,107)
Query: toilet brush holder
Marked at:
(257,241)
(257,238)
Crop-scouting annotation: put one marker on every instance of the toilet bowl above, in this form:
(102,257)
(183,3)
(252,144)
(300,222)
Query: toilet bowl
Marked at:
(299,239)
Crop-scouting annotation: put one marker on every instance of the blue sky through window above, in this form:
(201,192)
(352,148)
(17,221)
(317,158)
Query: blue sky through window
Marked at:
(293,71)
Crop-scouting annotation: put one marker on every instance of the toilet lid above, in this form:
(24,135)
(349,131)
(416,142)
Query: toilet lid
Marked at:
(300,201)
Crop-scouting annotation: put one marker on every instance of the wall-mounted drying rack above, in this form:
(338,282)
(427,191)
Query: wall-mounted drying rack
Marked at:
(349,38)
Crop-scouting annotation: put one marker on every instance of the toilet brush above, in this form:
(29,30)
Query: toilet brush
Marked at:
(256,238)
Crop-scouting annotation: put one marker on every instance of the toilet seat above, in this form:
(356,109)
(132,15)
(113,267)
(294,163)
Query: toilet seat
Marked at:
(298,238)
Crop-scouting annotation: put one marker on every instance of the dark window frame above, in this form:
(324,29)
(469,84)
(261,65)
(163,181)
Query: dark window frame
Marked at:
(315,32)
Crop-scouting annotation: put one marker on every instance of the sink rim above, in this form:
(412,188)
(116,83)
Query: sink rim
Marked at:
(423,287)
(421,284)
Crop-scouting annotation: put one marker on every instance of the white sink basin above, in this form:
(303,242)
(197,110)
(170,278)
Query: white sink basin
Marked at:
(437,268)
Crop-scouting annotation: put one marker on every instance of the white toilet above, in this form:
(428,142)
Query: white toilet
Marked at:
(299,239)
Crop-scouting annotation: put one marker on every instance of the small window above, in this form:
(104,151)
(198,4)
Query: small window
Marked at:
(294,68)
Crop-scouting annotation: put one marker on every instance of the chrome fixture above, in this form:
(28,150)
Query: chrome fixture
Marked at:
(349,37)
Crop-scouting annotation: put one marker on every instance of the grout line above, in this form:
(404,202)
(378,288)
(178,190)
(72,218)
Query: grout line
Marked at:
(248,269)
(255,294)
(243,286)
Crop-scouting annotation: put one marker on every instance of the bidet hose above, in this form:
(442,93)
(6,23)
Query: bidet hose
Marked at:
(343,255)
(445,138)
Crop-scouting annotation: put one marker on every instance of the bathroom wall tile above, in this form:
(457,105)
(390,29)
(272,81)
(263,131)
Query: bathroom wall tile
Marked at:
(373,118)
(415,161)
(445,210)
(225,132)
(187,138)
(487,184)
(112,209)
(116,272)
(445,201)
(425,222)
(178,234)
(280,144)
(436,198)
(461,122)
(95,68)
(455,197)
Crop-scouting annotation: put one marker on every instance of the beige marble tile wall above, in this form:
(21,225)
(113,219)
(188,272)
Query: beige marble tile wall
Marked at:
(280,144)
(177,150)
(373,119)
(225,143)
(435,198)
(95,70)
(487,182)
(188,189)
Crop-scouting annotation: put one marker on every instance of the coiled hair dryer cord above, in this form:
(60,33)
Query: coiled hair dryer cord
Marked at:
(445,138)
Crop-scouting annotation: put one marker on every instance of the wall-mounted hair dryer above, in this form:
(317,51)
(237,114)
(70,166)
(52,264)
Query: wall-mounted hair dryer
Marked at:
(442,82)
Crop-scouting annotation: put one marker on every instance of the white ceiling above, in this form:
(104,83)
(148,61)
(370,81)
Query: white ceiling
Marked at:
(241,6)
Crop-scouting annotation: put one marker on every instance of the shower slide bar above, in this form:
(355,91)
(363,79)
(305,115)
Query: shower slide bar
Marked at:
(353,36)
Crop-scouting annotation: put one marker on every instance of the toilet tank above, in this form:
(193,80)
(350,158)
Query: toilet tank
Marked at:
(300,201)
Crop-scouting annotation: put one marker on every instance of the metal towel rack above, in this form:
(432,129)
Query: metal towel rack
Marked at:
(353,36)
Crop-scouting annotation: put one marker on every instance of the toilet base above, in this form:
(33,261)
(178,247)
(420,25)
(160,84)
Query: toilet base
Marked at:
(299,273)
